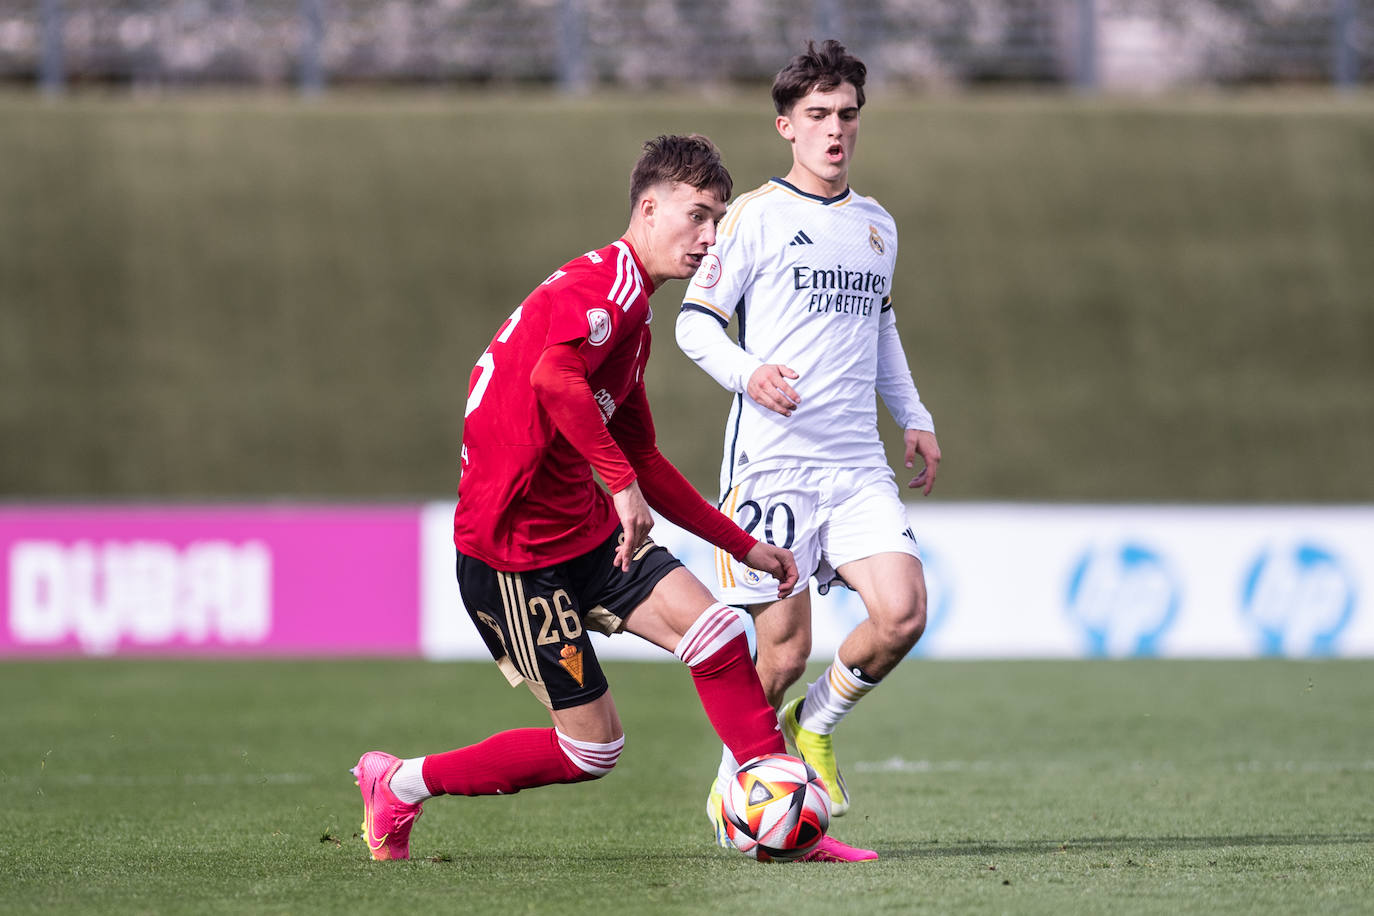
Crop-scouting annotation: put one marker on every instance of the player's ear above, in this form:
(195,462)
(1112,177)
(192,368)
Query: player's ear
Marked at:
(784,126)
(647,205)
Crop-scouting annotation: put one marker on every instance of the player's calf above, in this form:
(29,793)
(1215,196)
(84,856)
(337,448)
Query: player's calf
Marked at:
(780,665)
(716,650)
(521,758)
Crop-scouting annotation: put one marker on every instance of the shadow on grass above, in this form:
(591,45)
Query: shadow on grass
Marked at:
(1137,844)
(1127,843)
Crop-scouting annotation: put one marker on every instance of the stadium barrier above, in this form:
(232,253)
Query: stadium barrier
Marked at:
(1005,581)
(240,580)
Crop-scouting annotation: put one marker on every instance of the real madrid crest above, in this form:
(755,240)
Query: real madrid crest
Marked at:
(875,240)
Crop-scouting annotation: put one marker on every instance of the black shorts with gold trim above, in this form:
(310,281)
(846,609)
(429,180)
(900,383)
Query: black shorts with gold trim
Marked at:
(535,623)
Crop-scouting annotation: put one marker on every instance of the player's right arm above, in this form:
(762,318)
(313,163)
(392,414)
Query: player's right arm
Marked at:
(678,501)
(704,340)
(769,388)
(777,562)
(701,336)
(720,285)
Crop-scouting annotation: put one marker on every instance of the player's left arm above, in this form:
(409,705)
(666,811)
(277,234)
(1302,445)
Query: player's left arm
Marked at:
(897,388)
(560,382)
(674,497)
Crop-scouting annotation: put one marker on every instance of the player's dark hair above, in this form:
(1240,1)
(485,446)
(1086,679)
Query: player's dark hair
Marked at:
(692,160)
(823,68)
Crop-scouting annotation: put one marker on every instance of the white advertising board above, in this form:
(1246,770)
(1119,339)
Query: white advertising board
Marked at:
(1065,581)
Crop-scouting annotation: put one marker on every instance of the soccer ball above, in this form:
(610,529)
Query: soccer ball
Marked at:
(776,808)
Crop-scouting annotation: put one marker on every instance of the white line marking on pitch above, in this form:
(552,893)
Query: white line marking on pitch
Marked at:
(902,765)
(183,779)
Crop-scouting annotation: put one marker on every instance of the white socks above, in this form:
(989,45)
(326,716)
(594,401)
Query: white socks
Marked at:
(830,698)
(728,766)
(408,782)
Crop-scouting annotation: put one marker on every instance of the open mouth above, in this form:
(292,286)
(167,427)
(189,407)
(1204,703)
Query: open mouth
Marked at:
(834,152)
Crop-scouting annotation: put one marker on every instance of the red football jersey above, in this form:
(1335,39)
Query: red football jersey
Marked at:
(527,498)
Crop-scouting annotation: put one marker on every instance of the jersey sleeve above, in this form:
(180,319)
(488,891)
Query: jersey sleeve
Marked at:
(712,297)
(705,342)
(559,380)
(664,487)
(581,313)
(894,383)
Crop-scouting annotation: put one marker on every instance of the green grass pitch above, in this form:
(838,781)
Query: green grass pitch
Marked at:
(1019,787)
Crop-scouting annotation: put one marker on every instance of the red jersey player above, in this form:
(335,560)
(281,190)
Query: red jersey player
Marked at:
(544,553)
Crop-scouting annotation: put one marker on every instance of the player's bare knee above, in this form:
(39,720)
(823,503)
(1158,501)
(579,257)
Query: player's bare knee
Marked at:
(783,653)
(778,672)
(791,664)
(913,634)
(903,630)
(918,620)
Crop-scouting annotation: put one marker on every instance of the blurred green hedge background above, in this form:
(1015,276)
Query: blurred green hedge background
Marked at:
(246,297)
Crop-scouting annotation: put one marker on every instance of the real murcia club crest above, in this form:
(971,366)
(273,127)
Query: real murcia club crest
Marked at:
(570,657)
(875,240)
(598,326)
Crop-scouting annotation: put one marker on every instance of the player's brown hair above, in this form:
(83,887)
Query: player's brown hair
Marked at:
(692,160)
(822,68)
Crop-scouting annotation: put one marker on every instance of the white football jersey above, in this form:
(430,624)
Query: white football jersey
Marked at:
(810,281)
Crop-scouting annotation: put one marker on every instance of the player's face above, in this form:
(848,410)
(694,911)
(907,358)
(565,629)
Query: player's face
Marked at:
(823,128)
(682,227)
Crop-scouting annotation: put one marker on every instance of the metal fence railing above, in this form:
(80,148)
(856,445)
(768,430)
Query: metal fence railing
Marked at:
(587,43)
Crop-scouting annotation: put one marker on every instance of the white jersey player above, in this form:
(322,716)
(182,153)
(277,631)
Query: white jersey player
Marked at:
(805,266)
(809,280)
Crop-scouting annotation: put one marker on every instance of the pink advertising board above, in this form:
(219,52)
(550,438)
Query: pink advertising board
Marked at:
(264,580)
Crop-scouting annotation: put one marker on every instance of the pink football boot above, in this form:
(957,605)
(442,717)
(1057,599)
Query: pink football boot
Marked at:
(386,819)
(830,849)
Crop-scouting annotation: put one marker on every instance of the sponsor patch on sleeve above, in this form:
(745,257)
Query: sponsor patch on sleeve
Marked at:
(708,274)
(598,326)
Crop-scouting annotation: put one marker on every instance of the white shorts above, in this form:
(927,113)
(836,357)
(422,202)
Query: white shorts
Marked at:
(827,517)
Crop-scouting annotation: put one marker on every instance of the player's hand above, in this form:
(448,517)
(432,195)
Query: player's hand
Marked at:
(768,387)
(919,442)
(777,562)
(635,519)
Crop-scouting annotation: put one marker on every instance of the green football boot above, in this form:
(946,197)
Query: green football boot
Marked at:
(817,750)
(715,813)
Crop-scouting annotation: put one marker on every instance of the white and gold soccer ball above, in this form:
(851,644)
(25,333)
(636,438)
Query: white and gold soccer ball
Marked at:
(776,808)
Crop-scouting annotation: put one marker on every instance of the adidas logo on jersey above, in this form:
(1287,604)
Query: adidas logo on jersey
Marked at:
(801,238)
(743,459)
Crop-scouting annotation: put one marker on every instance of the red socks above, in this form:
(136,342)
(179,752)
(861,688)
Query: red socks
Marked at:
(505,763)
(716,651)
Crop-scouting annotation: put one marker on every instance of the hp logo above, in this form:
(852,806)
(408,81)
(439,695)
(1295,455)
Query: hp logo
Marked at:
(1299,598)
(1124,597)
